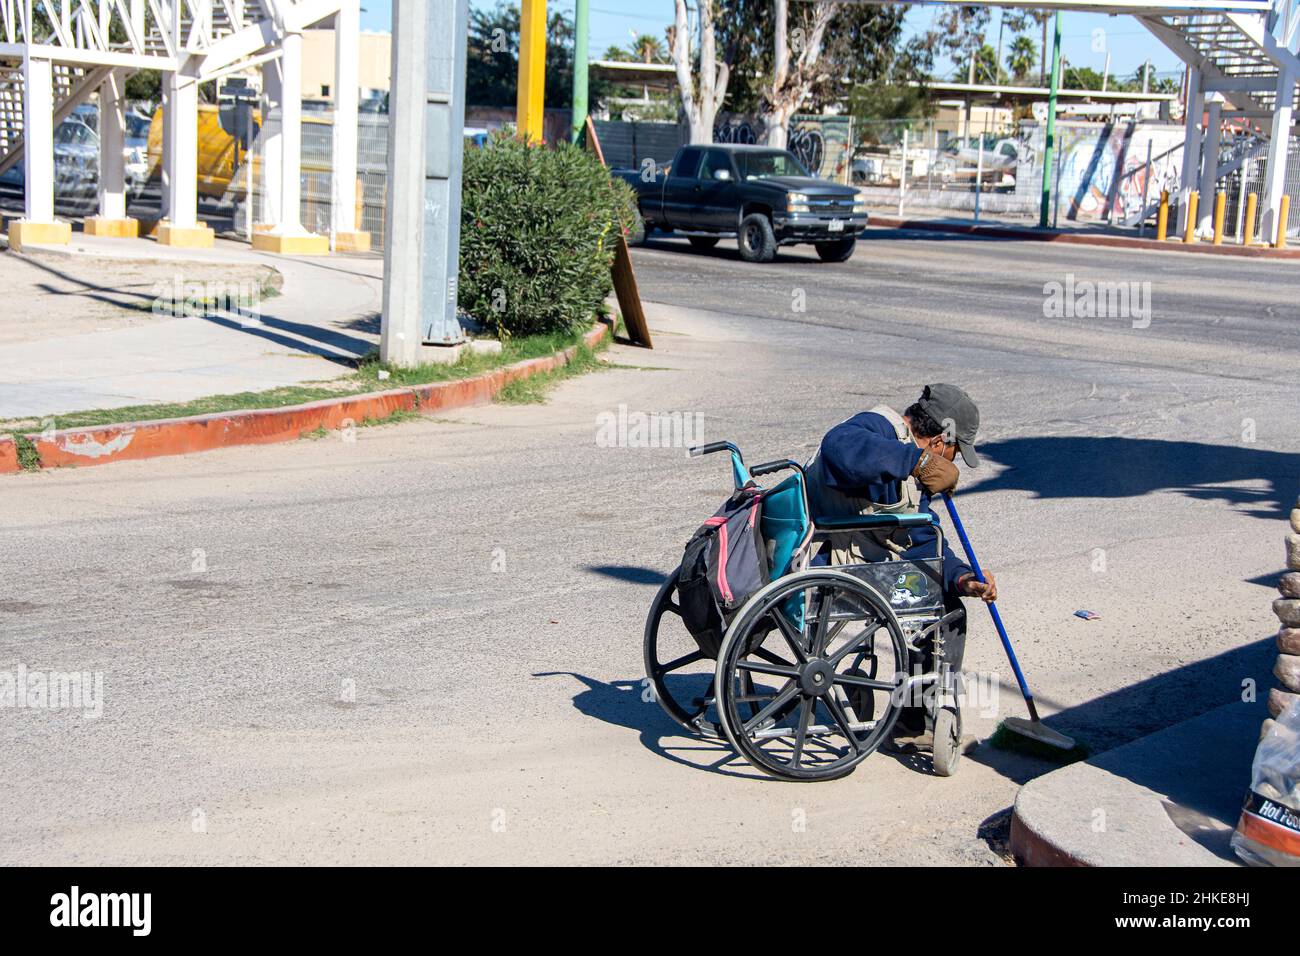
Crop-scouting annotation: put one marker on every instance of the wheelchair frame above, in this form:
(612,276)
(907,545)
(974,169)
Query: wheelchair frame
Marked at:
(821,722)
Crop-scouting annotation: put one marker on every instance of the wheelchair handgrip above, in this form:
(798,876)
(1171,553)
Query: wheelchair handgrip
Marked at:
(864,522)
(710,448)
(770,466)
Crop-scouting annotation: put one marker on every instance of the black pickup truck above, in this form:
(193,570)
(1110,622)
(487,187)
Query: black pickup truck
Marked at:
(762,196)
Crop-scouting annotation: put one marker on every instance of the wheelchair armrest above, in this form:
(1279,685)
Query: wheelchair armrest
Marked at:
(870,522)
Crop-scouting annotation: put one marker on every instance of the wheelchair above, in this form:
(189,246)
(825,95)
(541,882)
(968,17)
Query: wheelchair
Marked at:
(814,669)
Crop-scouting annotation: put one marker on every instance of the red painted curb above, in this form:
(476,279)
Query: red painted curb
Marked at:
(8,455)
(1081,239)
(101,444)
(1033,849)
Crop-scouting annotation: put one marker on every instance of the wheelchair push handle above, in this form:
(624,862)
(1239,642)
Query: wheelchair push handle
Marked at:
(714,446)
(770,466)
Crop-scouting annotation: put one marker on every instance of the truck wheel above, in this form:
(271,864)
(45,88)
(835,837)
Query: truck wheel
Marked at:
(756,240)
(703,242)
(838,250)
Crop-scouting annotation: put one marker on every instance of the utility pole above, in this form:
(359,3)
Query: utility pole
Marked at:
(579,69)
(530,102)
(425,149)
(1050,141)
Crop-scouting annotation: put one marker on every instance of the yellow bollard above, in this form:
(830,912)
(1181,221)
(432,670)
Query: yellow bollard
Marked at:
(1162,219)
(532,70)
(1220,201)
(1252,204)
(1282,211)
(1193,199)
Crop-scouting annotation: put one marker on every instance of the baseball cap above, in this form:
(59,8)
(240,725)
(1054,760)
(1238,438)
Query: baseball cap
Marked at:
(952,408)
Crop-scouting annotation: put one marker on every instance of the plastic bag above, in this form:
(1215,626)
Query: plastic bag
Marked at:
(1268,833)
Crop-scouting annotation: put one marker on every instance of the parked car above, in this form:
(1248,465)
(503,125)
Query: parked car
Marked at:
(763,197)
(963,163)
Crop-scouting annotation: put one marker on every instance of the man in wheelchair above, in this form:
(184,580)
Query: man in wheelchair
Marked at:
(882,462)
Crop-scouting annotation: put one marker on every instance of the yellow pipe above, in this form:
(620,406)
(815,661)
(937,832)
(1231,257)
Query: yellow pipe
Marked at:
(1252,204)
(532,70)
(1162,220)
(1220,201)
(1282,212)
(1193,199)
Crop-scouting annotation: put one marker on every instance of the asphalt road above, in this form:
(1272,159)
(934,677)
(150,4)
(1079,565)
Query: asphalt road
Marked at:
(423,645)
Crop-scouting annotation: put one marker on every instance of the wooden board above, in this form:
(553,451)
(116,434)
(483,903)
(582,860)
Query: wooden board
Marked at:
(629,296)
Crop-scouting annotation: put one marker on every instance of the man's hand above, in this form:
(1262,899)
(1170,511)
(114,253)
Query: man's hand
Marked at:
(986,590)
(936,474)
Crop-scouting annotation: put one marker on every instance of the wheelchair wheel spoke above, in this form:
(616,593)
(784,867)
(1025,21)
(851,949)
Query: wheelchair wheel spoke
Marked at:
(856,681)
(826,602)
(682,661)
(854,643)
(771,658)
(841,718)
(792,637)
(773,669)
(801,735)
(783,697)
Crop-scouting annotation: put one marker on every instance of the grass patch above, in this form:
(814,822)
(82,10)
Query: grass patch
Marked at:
(532,390)
(392,418)
(28,458)
(1004,739)
(366,378)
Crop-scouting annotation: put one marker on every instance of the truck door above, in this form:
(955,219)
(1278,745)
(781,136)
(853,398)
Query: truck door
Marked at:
(681,189)
(717,197)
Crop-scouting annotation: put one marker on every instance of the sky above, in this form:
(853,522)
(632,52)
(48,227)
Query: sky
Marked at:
(615,22)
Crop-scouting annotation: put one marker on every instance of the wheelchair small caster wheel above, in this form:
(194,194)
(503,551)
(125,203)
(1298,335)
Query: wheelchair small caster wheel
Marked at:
(947,741)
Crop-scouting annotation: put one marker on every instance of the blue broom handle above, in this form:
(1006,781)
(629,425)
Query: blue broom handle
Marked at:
(992,605)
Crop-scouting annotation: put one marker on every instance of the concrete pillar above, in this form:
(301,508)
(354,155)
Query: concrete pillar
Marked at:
(271,142)
(182,227)
(1209,165)
(288,236)
(343,193)
(112,219)
(1191,145)
(38,224)
(1279,139)
(425,144)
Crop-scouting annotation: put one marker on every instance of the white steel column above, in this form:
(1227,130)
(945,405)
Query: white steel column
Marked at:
(1209,165)
(112,140)
(182,150)
(1191,144)
(271,142)
(38,140)
(290,222)
(347,53)
(1279,140)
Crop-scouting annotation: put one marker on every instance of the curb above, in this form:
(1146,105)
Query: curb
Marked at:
(1080,239)
(1032,848)
(125,441)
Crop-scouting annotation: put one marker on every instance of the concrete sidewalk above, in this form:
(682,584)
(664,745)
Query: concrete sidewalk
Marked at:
(1169,799)
(325,316)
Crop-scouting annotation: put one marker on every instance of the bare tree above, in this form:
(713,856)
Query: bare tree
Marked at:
(700,101)
(794,65)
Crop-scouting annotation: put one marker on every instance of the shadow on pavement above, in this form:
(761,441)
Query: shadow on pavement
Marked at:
(628,573)
(1116,467)
(624,704)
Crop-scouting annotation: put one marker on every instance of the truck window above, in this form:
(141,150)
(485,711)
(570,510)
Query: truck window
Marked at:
(762,164)
(688,163)
(714,160)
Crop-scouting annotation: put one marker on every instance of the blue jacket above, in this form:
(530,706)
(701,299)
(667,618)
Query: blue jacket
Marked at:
(863,457)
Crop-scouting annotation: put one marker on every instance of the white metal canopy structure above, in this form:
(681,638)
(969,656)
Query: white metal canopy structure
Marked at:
(55,53)
(1243,62)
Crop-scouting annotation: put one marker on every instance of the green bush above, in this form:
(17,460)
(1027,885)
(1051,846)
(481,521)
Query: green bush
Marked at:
(537,236)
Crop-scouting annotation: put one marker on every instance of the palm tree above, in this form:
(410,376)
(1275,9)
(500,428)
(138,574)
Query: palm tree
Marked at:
(1022,57)
(648,48)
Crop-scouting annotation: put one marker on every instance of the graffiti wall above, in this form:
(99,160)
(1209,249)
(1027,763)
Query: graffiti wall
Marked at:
(822,143)
(1103,171)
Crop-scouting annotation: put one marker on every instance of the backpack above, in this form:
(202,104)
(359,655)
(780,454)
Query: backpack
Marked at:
(724,563)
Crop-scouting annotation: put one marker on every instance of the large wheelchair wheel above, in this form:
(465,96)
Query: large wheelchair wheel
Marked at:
(680,674)
(808,675)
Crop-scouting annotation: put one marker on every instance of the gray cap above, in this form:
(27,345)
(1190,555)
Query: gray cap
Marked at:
(953,409)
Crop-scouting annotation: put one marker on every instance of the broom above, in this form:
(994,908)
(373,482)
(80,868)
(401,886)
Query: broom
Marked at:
(1032,729)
